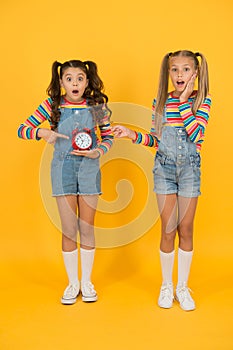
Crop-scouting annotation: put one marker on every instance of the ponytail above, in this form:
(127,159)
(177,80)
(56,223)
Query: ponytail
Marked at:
(91,68)
(54,91)
(94,91)
(95,95)
(162,94)
(203,83)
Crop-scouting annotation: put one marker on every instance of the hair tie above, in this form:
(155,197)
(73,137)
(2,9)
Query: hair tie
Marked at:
(169,54)
(86,65)
(59,68)
(197,54)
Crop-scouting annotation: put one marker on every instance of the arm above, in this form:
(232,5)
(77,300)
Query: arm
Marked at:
(195,125)
(137,137)
(148,139)
(145,139)
(105,134)
(30,130)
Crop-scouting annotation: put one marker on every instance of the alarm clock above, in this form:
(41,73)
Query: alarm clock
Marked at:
(81,139)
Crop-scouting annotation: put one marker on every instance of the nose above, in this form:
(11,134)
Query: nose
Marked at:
(75,83)
(180,73)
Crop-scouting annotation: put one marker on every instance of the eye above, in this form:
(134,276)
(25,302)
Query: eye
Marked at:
(80,79)
(174,69)
(187,69)
(68,79)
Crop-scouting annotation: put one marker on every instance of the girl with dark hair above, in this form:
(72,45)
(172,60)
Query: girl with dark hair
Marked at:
(179,121)
(76,109)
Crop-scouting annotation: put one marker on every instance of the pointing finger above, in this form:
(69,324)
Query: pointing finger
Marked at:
(62,136)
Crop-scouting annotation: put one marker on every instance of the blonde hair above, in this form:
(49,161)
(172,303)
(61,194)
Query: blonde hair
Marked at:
(203,84)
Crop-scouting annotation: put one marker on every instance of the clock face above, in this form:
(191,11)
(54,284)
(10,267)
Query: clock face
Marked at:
(83,140)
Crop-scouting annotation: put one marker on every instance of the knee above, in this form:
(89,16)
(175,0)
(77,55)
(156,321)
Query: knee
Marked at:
(70,231)
(168,236)
(167,241)
(87,238)
(185,231)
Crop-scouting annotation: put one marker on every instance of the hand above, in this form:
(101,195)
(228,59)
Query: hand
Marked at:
(92,153)
(50,136)
(188,89)
(122,131)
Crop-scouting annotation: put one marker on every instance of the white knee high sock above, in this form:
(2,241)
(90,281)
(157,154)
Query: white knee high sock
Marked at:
(87,259)
(71,265)
(167,262)
(184,263)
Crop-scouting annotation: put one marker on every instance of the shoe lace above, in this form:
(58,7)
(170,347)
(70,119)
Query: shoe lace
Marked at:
(166,292)
(184,293)
(71,290)
(89,286)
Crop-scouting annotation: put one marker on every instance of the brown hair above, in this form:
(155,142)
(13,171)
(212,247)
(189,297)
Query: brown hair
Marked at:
(203,84)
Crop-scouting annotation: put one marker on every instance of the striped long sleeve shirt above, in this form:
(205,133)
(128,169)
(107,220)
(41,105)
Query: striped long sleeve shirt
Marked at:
(179,114)
(29,129)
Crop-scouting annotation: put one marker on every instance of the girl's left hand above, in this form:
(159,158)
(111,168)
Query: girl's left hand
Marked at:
(188,89)
(92,153)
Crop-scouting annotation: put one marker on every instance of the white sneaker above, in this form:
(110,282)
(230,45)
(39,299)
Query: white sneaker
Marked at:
(88,292)
(70,294)
(166,296)
(184,298)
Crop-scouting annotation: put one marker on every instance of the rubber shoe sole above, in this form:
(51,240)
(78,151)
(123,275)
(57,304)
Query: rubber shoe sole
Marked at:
(70,301)
(89,299)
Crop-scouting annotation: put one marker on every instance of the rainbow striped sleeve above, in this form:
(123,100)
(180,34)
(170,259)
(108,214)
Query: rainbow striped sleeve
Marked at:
(106,134)
(195,126)
(148,139)
(29,129)
(145,139)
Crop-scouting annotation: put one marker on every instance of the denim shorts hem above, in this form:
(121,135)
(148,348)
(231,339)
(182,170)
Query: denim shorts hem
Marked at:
(181,194)
(189,195)
(76,194)
(89,194)
(165,192)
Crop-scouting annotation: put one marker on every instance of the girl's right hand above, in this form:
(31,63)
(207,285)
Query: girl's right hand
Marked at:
(50,136)
(122,131)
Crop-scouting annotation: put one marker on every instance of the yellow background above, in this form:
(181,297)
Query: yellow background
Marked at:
(127,39)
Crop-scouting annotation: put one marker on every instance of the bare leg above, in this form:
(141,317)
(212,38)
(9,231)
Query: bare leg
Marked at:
(186,213)
(87,209)
(67,206)
(168,212)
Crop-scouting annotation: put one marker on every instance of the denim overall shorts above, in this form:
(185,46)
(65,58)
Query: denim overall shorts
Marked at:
(177,164)
(71,174)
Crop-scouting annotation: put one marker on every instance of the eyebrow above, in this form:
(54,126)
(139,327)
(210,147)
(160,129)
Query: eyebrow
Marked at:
(175,65)
(69,74)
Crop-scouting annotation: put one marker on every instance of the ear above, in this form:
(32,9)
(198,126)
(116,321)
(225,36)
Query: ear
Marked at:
(87,83)
(61,83)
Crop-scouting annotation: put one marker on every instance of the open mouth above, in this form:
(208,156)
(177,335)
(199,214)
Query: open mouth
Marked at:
(75,92)
(180,83)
